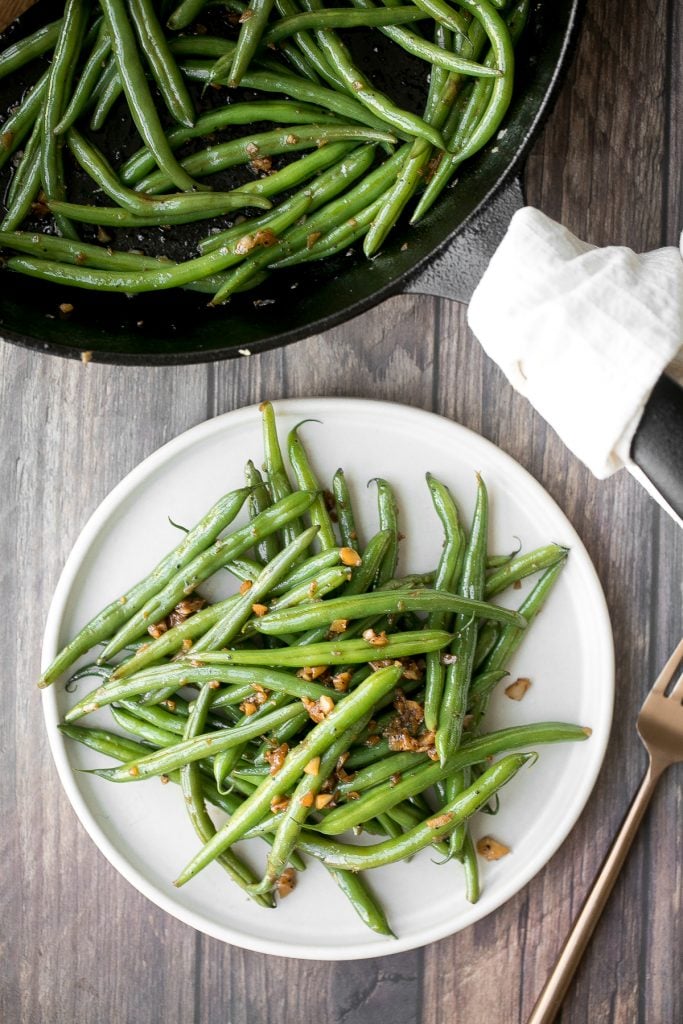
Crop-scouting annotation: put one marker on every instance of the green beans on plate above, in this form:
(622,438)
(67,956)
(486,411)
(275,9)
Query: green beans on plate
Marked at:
(151,70)
(316,694)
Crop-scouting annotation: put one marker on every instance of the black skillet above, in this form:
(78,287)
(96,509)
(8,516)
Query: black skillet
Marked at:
(444,255)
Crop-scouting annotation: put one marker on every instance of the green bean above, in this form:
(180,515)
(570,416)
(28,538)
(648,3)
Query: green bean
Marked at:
(326,581)
(61,73)
(228,626)
(477,131)
(365,905)
(408,816)
(259,501)
(391,828)
(441,12)
(483,683)
(308,92)
(185,13)
(359,86)
(383,602)
(348,711)
(486,640)
(168,274)
(338,652)
(278,480)
(407,180)
(362,579)
(510,637)
(327,158)
(497,561)
(26,183)
(443,38)
(227,760)
(310,51)
(373,774)
(453,785)
(350,213)
(304,572)
(207,745)
(172,640)
(340,17)
(434,828)
(138,96)
(383,797)
(191,786)
(154,46)
(301,801)
(149,732)
(442,94)
(87,81)
(171,718)
(133,686)
(413,170)
(201,46)
(240,679)
(104,742)
(431,53)
(447,512)
(522,566)
(254,22)
(108,90)
(459,671)
(18,125)
(81,254)
(163,209)
(198,539)
(238,151)
(326,188)
(297,59)
(344,509)
(387,508)
(27,49)
(332,242)
(182,208)
(471,868)
(306,480)
(204,564)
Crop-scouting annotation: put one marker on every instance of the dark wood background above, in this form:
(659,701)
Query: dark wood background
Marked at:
(78,944)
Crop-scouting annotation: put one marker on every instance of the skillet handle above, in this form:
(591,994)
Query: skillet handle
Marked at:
(455,272)
(657,446)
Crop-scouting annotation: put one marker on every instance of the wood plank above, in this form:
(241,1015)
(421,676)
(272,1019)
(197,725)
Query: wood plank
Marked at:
(78,942)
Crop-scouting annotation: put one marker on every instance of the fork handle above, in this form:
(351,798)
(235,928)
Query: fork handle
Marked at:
(550,1000)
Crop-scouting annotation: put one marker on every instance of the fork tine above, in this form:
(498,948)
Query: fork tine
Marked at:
(677,692)
(669,670)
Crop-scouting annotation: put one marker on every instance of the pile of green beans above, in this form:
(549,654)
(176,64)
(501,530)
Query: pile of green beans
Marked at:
(329,122)
(328,693)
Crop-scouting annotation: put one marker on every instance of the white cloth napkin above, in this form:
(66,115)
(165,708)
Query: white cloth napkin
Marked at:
(583,332)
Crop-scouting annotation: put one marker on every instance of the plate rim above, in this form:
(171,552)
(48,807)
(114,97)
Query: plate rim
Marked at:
(375,946)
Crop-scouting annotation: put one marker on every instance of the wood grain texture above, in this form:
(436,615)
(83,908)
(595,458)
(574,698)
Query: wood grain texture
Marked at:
(83,946)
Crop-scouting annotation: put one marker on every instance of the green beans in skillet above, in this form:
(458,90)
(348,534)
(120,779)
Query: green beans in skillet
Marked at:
(97,59)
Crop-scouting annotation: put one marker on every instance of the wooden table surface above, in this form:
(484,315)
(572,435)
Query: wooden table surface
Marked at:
(78,944)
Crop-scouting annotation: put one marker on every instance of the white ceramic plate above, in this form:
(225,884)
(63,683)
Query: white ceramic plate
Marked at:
(141,828)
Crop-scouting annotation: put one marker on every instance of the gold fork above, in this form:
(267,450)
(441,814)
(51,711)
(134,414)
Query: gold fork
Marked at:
(660,727)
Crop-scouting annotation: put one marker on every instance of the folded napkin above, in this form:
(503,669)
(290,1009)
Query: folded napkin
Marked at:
(583,332)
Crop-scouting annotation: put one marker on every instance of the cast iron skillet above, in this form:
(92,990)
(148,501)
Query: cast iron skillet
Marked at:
(445,254)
